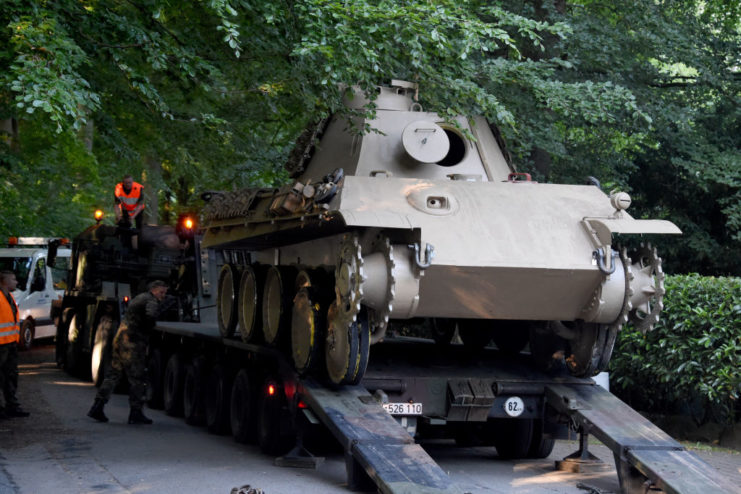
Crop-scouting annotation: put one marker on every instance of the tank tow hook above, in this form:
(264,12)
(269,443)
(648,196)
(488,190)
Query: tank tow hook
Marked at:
(429,254)
(599,255)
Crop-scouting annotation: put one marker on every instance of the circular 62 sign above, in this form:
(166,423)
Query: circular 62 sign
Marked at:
(514,406)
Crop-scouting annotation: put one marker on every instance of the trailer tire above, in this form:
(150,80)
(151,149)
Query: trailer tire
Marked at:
(173,385)
(512,437)
(243,408)
(194,409)
(102,349)
(275,433)
(540,446)
(218,400)
(155,388)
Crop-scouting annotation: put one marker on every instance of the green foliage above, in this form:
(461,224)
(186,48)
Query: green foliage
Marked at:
(692,354)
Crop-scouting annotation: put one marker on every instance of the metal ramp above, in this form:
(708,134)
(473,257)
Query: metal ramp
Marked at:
(377,449)
(645,456)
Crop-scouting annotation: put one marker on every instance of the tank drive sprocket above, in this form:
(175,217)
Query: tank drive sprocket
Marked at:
(648,289)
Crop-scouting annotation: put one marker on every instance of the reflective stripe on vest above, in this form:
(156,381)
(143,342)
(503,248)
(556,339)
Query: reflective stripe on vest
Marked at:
(129,200)
(9,329)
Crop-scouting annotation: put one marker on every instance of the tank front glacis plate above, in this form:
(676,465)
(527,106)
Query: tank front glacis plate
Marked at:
(501,250)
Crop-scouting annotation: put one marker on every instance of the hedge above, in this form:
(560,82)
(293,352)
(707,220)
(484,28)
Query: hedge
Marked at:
(690,362)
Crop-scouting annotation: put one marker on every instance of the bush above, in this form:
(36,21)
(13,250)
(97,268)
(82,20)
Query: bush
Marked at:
(690,362)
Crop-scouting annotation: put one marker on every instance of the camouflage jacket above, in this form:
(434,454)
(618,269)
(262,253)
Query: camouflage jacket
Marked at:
(141,316)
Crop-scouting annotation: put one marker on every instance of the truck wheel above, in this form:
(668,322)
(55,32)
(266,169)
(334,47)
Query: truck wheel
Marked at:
(243,408)
(155,375)
(73,354)
(275,433)
(512,437)
(218,394)
(28,329)
(102,349)
(540,446)
(174,377)
(193,393)
(60,342)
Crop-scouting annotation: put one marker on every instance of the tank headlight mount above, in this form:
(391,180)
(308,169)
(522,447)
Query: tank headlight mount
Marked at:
(620,200)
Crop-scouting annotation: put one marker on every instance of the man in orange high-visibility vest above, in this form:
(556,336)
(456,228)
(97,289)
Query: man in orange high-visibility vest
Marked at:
(129,197)
(9,337)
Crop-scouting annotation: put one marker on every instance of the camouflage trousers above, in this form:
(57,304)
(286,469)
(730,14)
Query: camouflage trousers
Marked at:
(129,356)
(9,374)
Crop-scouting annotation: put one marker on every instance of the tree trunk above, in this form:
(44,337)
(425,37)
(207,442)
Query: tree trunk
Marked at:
(9,131)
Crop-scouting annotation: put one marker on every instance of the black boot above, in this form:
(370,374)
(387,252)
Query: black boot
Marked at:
(136,416)
(96,411)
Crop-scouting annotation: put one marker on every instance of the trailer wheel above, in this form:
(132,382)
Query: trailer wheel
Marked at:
(155,375)
(540,446)
(218,398)
(512,437)
(102,349)
(275,433)
(193,392)
(174,377)
(243,408)
(226,307)
(28,329)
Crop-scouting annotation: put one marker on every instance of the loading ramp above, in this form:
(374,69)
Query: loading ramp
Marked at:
(646,457)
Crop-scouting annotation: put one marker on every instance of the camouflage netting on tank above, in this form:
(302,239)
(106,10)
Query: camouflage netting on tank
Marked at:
(233,204)
(304,146)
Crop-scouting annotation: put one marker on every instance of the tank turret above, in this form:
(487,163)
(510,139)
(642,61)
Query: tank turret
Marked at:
(425,218)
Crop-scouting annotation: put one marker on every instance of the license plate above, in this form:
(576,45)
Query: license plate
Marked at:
(403,408)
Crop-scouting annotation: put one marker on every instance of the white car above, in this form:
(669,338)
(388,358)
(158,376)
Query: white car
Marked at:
(38,284)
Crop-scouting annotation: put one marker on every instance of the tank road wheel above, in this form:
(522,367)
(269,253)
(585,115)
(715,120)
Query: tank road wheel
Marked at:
(218,394)
(276,303)
(174,377)
(226,307)
(512,437)
(275,433)
(194,385)
(583,348)
(102,348)
(342,346)
(250,302)
(155,372)
(243,408)
(305,324)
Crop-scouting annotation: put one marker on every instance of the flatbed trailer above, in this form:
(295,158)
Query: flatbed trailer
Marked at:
(254,391)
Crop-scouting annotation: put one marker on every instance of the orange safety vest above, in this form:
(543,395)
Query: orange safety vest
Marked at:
(129,200)
(9,328)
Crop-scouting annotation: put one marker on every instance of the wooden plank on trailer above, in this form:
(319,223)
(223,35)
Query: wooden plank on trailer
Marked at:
(679,472)
(403,469)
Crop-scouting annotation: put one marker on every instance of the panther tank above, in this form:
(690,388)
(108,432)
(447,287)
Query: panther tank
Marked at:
(411,217)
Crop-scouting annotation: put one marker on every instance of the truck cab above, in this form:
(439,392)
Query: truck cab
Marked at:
(38,284)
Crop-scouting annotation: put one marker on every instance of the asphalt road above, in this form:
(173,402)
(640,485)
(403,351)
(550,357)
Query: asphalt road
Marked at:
(61,451)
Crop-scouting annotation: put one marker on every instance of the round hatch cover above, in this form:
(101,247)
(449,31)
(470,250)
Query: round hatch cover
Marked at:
(425,141)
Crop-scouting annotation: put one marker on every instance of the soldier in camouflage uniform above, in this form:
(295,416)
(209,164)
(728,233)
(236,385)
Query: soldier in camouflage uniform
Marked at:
(129,354)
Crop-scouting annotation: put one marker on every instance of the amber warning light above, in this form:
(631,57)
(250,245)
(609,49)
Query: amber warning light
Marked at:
(188,223)
(98,215)
(271,389)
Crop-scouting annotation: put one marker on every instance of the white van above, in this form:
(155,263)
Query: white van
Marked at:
(38,284)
